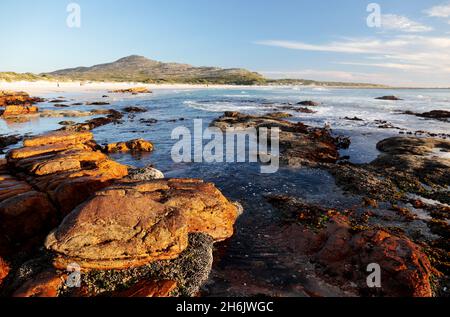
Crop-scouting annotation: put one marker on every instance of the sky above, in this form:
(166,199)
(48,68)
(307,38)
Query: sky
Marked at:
(409,45)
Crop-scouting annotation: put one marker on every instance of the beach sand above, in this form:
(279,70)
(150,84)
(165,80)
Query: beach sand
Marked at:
(40,87)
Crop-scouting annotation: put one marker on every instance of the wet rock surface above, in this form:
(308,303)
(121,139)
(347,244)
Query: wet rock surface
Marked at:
(300,145)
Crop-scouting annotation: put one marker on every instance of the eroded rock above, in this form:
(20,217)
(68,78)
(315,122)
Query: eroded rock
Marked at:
(138,145)
(300,145)
(132,224)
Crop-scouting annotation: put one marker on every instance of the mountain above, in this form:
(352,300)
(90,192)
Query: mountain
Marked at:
(140,69)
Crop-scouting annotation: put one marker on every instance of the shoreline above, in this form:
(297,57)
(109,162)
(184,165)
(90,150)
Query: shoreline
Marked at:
(37,87)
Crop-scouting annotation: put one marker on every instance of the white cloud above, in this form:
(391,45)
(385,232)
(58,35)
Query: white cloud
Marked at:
(423,58)
(386,65)
(402,23)
(440,11)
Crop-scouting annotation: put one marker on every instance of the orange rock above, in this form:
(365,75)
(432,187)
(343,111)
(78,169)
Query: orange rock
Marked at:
(149,289)
(10,111)
(129,225)
(26,216)
(26,152)
(137,90)
(46,284)
(138,145)
(65,137)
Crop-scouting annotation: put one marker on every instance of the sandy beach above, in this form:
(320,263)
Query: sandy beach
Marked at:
(45,87)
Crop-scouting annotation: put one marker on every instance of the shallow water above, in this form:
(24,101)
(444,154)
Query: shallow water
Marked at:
(258,259)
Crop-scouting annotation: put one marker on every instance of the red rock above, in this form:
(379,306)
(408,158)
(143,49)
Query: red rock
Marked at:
(26,216)
(4,270)
(64,137)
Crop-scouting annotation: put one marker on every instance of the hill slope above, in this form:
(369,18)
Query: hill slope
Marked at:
(140,69)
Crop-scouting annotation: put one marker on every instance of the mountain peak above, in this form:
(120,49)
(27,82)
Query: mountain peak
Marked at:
(141,69)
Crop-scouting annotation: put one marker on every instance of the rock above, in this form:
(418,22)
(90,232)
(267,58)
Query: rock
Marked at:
(392,98)
(150,121)
(145,174)
(309,103)
(58,101)
(138,145)
(13,98)
(97,103)
(353,119)
(26,216)
(65,123)
(136,90)
(135,109)
(46,284)
(436,114)
(4,270)
(183,276)
(132,224)
(413,160)
(8,140)
(342,252)
(53,173)
(17,110)
(279,115)
(300,145)
(60,105)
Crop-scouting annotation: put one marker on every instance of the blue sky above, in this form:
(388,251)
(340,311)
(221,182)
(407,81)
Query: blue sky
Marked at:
(324,40)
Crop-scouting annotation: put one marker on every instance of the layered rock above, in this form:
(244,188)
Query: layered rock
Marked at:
(17,103)
(46,179)
(131,224)
(300,145)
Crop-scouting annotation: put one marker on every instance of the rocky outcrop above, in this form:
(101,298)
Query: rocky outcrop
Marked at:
(308,103)
(113,117)
(47,178)
(342,250)
(17,103)
(134,109)
(391,98)
(442,115)
(300,145)
(4,270)
(133,224)
(138,145)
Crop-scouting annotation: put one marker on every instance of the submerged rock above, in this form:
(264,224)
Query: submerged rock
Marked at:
(392,98)
(17,103)
(133,224)
(309,103)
